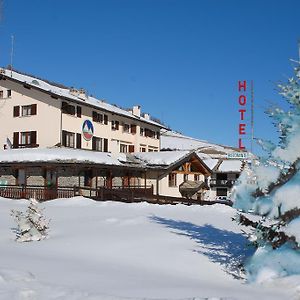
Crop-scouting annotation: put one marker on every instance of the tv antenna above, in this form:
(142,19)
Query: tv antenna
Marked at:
(11,55)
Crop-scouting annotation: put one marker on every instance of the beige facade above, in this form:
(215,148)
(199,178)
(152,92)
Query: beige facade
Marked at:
(34,117)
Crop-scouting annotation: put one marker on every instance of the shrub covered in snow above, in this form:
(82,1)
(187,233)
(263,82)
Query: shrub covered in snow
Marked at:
(271,188)
(32,225)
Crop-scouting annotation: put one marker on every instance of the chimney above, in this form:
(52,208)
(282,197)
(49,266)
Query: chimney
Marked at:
(136,110)
(81,93)
(147,116)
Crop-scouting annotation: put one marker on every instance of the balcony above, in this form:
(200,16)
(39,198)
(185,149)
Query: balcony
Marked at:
(221,183)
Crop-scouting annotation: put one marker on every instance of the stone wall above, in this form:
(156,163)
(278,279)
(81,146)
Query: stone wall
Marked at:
(35,176)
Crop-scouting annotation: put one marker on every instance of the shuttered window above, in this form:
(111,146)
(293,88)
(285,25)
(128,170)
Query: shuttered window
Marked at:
(66,108)
(78,140)
(133,129)
(68,139)
(16,111)
(78,111)
(105,145)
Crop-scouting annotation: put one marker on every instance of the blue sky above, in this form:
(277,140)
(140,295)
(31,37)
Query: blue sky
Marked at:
(179,59)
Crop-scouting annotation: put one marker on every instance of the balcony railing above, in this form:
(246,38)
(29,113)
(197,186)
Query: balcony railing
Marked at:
(221,182)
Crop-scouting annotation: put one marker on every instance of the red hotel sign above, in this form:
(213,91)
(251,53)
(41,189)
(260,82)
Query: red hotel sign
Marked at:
(242,86)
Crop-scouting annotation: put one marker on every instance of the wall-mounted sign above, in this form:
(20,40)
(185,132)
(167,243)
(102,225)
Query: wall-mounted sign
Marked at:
(87,130)
(238,155)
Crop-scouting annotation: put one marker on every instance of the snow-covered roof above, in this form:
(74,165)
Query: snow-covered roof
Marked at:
(211,163)
(176,141)
(164,158)
(58,155)
(65,93)
(230,166)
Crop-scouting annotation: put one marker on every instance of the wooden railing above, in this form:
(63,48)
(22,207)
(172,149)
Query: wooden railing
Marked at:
(116,193)
(37,192)
(128,194)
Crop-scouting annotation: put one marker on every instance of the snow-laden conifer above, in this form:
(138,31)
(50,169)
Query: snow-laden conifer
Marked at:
(32,225)
(270,188)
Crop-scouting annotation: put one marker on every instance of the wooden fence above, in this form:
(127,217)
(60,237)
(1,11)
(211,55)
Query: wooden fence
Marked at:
(116,193)
(37,192)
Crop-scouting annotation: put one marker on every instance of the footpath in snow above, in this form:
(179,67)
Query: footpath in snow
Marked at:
(110,250)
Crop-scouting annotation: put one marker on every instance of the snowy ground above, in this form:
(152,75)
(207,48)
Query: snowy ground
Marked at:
(112,251)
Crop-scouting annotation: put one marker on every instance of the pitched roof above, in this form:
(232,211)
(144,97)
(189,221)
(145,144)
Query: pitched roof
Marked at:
(64,92)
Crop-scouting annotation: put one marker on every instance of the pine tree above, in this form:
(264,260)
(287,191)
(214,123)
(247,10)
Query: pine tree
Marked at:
(32,225)
(270,188)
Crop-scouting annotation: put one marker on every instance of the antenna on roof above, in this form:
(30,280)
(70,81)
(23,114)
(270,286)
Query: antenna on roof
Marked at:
(11,55)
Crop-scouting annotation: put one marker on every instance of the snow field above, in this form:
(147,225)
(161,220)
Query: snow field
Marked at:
(110,250)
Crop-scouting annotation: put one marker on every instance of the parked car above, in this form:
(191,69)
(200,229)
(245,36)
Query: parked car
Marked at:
(224,200)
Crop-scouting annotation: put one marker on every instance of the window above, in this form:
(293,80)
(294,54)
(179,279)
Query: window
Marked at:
(123,148)
(142,131)
(221,191)
(66,108)
(68,139)
(149,133)
(126,128)
(24,139)
(97,144)
(115,125)
(157,135)
(1,94)
(152,149)
(196,177)
(172,179)
(185,177)
(26,110)
(97,117)
(8,93)
(133,128)
(142,148)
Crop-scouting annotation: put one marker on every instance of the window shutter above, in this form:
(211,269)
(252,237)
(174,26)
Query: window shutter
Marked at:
(33,137)
(72,110)
(105,146)
(94,116)
(16,140)
(105,119)
(64,107)
(78,140)
(33,109)
(16,111)
(133,129)
(94,143)
(78,111)
(131,148)
(64,138)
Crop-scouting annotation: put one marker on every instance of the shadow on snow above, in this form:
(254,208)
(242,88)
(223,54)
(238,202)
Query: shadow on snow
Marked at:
(227,248)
